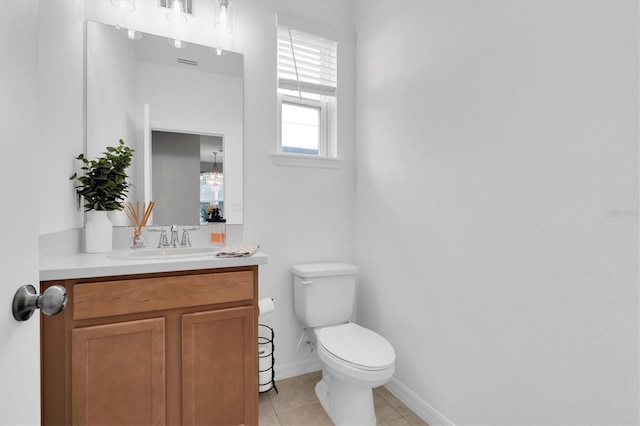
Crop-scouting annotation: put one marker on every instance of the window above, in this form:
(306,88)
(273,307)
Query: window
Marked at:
(302,130)
(307,87)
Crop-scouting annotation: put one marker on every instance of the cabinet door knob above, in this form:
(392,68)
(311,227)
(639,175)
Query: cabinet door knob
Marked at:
(26,300)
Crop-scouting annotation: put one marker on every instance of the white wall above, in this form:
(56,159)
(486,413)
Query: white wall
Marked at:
(497,205)
(61,109)
(296,215)
(176,165)
(111,90)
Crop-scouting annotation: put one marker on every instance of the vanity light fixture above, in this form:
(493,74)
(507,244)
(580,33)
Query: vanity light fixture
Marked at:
(224,17)
(177,14)
(124,5)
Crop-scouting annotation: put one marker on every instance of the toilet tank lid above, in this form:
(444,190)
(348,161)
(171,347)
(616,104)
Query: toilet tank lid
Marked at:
(311,270)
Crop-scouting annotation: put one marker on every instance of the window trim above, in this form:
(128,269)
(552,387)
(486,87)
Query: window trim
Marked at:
(329,159)
(305,160)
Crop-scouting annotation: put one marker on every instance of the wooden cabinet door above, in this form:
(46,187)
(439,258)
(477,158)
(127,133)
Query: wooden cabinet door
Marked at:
(219,367)
(118,373)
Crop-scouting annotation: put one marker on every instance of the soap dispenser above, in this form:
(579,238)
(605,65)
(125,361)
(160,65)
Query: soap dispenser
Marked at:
(217,228)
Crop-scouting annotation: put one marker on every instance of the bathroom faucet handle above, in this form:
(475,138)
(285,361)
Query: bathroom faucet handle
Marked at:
(162,242)
(185,236)
(174,236)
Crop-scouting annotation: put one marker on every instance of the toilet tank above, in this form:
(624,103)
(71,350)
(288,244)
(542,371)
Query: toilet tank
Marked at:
(324,293)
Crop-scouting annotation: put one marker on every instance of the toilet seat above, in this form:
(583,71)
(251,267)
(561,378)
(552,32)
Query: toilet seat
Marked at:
(356,346)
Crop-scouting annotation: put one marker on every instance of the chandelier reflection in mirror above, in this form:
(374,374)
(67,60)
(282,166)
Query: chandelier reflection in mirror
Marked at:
(211,190)
(214,178)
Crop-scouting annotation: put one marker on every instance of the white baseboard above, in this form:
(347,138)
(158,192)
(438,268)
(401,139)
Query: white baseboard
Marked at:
(298,368)
(400,391)
(415,404)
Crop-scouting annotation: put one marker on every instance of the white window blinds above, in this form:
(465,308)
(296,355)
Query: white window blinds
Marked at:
(306,63)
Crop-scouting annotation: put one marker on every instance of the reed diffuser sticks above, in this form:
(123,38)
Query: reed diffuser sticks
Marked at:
(138,220)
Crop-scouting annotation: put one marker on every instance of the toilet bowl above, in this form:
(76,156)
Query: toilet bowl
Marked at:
(354,358)
(357,353)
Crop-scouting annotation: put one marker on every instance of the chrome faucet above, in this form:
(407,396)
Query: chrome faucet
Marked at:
(173,242)
(174,236)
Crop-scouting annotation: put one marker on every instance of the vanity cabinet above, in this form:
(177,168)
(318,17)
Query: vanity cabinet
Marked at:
(153,349)
(118,373)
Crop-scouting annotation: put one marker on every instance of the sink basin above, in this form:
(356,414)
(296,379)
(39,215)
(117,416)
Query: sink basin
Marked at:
(163,253)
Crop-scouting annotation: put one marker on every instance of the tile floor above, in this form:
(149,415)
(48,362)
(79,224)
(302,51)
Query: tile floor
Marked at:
(296,404)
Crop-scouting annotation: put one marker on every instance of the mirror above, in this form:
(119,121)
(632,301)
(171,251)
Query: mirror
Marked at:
(175,107)
(178,160)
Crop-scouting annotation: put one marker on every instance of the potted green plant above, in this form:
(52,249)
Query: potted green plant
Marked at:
(103,188)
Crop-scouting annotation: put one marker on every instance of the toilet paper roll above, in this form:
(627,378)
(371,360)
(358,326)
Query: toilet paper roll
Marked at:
(264,364)
(266,306)
(265,382)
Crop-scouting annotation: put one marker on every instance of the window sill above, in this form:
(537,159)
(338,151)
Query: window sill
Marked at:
(302,160)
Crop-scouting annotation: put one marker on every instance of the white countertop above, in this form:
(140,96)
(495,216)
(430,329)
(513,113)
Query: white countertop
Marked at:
(86,265)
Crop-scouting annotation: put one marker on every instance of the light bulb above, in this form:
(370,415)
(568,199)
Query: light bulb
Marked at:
(224,18)
(177,14)
(223,15)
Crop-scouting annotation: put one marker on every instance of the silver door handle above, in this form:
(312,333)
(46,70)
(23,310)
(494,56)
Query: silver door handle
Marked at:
(26,300)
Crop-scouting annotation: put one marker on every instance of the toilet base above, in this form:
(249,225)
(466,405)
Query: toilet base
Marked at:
(346,403)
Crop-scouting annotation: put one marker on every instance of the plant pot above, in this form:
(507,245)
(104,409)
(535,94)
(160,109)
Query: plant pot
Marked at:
(98,232)
(118,218)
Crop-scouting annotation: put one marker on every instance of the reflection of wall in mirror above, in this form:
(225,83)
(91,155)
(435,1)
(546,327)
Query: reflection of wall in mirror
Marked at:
(176,171)
(111,91)
(203,103)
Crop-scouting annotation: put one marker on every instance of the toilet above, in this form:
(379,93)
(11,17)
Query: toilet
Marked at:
(354,359)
